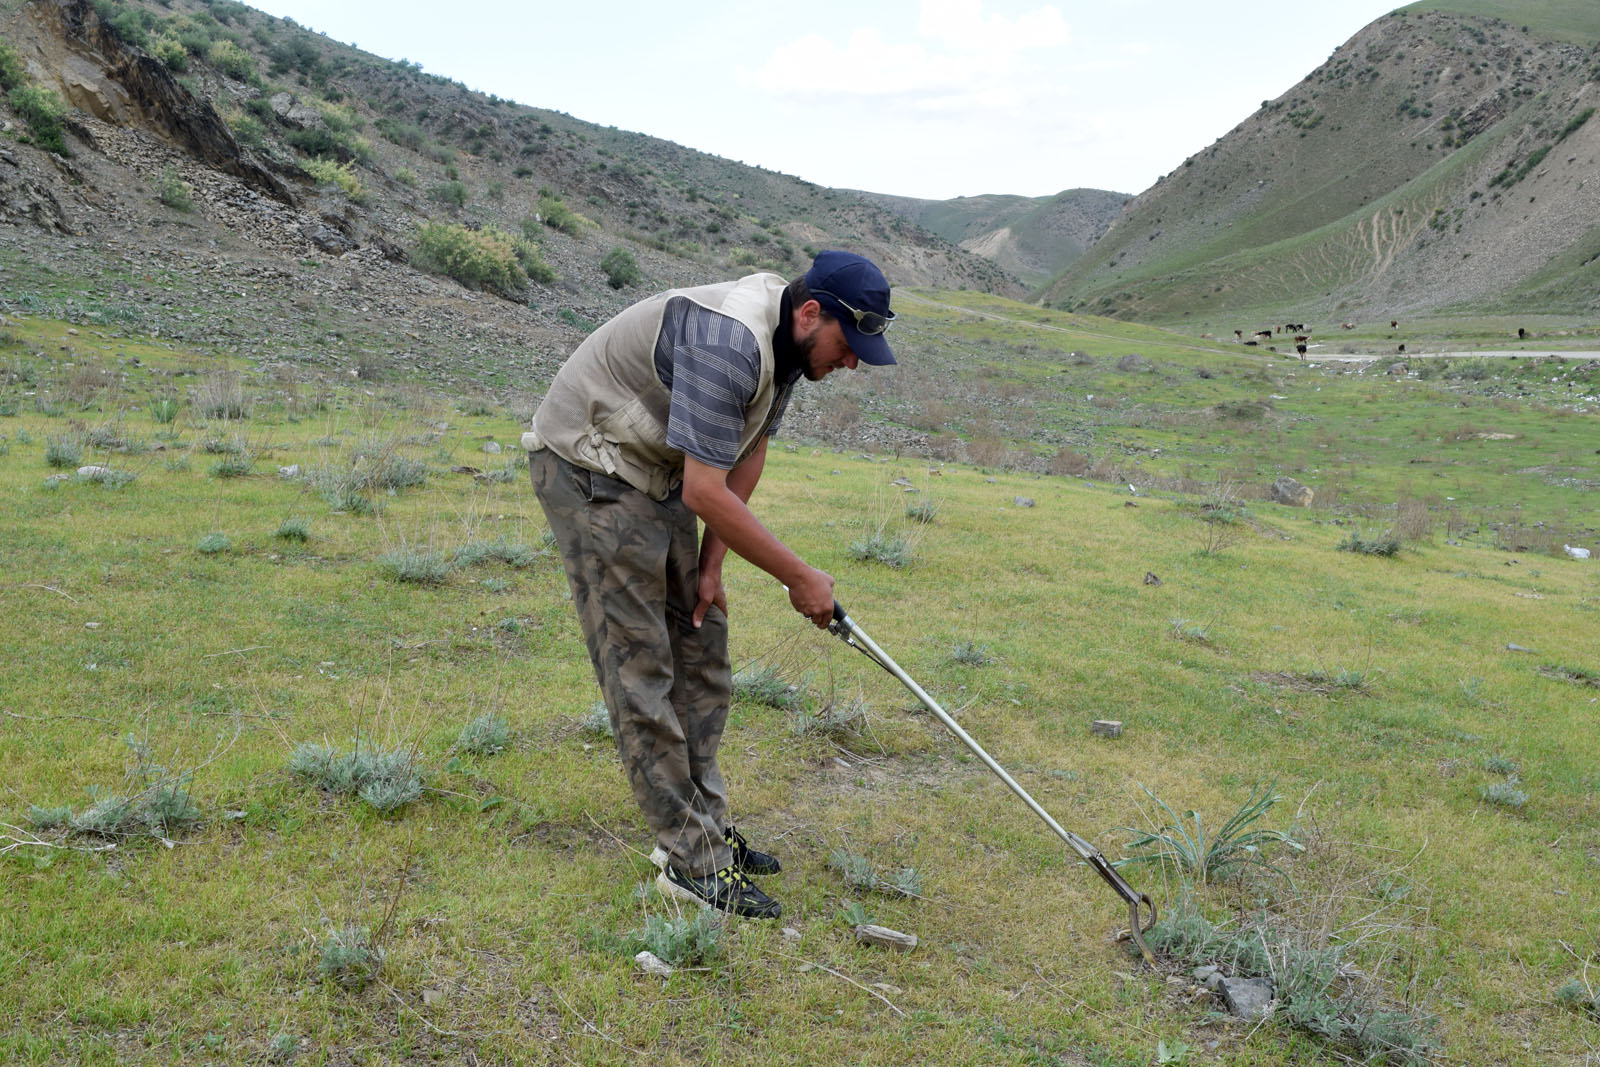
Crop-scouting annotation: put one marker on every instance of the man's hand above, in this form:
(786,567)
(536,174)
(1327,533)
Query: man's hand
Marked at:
(710,592)
(812,596)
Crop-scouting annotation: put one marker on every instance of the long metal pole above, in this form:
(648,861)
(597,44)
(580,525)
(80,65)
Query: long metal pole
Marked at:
(846,628)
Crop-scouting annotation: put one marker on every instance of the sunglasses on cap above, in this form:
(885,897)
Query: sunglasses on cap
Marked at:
(869,323)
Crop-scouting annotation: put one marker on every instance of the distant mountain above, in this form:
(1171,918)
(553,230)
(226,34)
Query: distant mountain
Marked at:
(1445,158)
(1033,238)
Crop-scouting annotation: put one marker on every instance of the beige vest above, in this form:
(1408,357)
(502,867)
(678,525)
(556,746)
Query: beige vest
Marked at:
(606,410)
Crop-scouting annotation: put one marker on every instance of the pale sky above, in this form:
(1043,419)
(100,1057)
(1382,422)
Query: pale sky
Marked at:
(924,98)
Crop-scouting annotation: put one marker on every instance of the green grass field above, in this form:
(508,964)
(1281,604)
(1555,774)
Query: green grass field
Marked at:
(1389,699)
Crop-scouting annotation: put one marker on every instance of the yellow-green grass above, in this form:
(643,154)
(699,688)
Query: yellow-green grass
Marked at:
(510,887)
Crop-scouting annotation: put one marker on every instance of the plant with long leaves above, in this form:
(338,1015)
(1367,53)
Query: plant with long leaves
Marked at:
(1227,853)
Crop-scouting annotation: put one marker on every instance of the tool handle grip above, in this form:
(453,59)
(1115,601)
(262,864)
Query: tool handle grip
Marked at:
(838,612)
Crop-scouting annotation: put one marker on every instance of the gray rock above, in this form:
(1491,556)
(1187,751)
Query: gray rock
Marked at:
(93,472)
(291,471)
(1203,973)
(1288,491)
(492,447)
(884,937)
(650,963)
(327,238)
(1248,998)
(291,112)
(1106,727)
(1022,501)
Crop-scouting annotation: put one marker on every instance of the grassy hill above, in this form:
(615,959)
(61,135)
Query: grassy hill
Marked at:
(181,627)
(1436,162)
(272,166)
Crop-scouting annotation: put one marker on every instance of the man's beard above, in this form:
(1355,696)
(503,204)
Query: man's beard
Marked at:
(804,346)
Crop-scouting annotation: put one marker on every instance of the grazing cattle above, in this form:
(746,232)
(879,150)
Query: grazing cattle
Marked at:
(1301,338)
(1521,333)
(1239,334)
(1300,349)
(1402,348)
(1393,323)
(1252,342)
(1264,333)
(1347,326)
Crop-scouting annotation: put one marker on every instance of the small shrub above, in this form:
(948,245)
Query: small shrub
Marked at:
(214,542)
(494,585)
(1501,765)
(164,410)
(232,60)
(481,259)
(1370,544)
(1221,518)
(293,529)
(349,957)
(1506,794)
(450,194)
(923,511)
(484,736)
(12,72)
(970,654)
(622,270)
(859,873)
(62,451)
(558,216)
(500,550)
(222,444)
(835,719)
(416,566)
(1575,996)
(343,175)
(221,396)
(234,466)
(171,52)
(892,550)
(683,941)
(598,722)
(1184,630)
(159,804)
(1229,852)
(387,781)
(174,192)
(855,870)
(762,684)
(44,112)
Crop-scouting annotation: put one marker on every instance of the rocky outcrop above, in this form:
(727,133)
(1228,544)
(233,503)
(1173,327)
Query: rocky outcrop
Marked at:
(94,70)
(23,199)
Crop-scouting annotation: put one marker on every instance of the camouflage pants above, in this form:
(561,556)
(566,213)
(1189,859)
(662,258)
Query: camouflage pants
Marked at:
(633,565)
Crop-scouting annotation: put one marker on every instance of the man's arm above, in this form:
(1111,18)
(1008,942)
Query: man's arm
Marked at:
(719,498)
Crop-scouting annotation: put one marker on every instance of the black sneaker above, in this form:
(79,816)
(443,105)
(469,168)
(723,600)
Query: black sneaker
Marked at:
(747,859)
(727,890)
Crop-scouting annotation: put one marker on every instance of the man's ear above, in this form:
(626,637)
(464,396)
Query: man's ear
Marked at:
(807,317)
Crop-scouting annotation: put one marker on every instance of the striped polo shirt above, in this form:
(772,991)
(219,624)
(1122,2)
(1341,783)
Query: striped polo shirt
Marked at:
(712,365)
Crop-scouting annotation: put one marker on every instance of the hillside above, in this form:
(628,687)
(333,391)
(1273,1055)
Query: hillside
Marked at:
(235,180)
(1033,238)
(1437,161)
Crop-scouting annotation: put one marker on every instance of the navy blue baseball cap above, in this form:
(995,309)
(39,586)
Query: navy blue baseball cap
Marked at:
(853,290)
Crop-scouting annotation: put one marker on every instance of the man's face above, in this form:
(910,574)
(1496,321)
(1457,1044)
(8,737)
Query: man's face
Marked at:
(824,349)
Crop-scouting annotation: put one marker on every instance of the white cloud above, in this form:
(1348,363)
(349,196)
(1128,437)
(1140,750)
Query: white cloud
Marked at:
(969,58)
(961,25)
